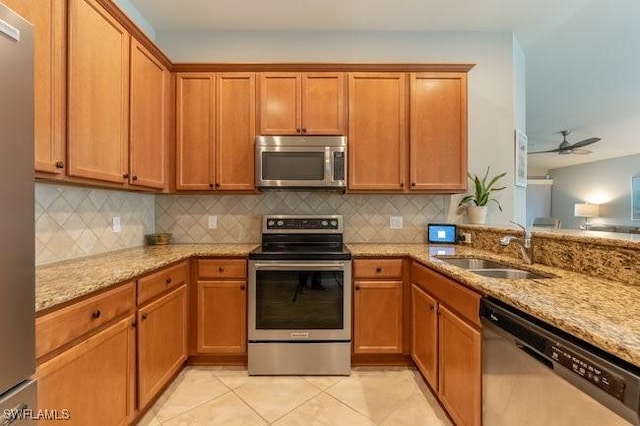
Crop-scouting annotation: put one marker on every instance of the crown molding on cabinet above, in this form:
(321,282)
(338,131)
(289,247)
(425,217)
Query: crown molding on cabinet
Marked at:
(318,67)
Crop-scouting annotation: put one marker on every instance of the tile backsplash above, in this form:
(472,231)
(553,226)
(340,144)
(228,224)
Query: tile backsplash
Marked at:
(74,222)
(366,217)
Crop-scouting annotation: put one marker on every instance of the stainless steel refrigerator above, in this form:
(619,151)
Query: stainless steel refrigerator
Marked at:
(17,259)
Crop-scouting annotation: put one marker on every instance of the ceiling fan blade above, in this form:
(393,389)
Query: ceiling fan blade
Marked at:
(584,143)
(545,152)
(581,151)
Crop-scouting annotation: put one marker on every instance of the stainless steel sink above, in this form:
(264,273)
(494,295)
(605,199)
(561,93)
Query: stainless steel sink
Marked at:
(509,274)
(473,263)
(491,269)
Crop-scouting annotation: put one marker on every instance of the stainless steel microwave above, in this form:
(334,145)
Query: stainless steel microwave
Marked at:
(305,162)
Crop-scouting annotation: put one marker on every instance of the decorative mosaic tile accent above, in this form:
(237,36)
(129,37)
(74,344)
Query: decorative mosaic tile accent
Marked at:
(73,222)
(366,217)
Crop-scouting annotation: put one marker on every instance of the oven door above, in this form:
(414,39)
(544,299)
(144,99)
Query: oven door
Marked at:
(299,301)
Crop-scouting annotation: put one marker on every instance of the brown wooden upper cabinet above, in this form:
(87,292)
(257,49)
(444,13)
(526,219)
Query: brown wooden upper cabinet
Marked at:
(377,132)
(48,18)
(310,103)
(98,103)
(438,132)
(215,131)
(148,119)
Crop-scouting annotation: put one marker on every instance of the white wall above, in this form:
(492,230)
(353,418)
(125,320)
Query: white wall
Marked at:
(606,182)
(134,14)
(492,83)
(520,111)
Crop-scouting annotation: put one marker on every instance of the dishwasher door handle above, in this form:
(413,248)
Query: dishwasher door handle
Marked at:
(535,355)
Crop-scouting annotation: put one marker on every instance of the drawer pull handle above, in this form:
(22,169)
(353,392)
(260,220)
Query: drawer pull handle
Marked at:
(378,269)
(242,287)
(168,280)
(357,287)
(96,314)
(144,316)
(221,269)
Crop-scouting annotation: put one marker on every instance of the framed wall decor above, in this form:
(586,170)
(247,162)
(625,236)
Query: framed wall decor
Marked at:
(635,198)
(520,171)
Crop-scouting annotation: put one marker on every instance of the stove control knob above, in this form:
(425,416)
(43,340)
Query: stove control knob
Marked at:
(270,223)
(334,223)
(325,223)
(280,223)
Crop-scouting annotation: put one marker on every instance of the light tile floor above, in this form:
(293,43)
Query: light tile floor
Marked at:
(228,396)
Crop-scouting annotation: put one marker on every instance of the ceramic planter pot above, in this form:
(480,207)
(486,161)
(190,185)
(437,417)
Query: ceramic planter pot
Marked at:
(477,214)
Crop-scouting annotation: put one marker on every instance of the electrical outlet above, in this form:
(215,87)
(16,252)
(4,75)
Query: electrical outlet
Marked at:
(213,222)
(116,224)
(395,222)
(466,237)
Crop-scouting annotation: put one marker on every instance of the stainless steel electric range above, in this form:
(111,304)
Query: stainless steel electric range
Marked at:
(300,298)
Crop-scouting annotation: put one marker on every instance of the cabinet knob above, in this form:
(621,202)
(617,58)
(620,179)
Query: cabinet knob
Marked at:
(210,185)
(144,316)
(221,269)
(168,280)
(304,130)
(402,185)
(134,177)
(431,307)
(242,287)
(125,175)
(357,287)
(217,185)
(134,323)
(59,164)
(413,184)
(298,130)
(378,269)
(96,314)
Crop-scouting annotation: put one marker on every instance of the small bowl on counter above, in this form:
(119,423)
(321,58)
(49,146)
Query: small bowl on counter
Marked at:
(159,239)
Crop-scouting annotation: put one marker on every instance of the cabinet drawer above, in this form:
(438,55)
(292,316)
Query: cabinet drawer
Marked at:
(454,295)
(377,268)
(161,281)
(222,268)
(60,327)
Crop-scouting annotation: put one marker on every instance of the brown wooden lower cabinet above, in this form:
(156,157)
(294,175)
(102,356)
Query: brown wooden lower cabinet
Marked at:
(222,317)
(162,342)
(377,317)
(446,342)
(94,380)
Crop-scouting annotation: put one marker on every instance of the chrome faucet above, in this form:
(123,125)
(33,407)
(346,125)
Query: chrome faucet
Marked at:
(525,243)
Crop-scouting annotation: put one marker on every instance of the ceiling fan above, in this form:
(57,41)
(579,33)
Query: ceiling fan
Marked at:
(565,148)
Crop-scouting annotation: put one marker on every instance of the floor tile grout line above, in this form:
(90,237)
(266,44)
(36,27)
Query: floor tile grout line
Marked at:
(349,407)
(195,406)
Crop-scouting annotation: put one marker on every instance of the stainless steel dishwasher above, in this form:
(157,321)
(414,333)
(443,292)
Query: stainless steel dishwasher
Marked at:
(534,374)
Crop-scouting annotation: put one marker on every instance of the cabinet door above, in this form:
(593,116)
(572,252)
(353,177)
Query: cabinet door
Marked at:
(149,95)
(280,103)
(162,342)
(236,112)
(377,317)
(98,81)
(195,133)
(438,140)
(424,334)
(460,368)
(222,317)
(47,16)
(377,133)
(323,99)
(93,380)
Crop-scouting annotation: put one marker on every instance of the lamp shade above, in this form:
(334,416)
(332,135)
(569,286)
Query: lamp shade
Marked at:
(586,210)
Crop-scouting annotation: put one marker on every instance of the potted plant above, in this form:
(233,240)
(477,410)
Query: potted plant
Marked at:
(476,203)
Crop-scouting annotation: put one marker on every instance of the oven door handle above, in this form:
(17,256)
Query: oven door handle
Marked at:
(300,266)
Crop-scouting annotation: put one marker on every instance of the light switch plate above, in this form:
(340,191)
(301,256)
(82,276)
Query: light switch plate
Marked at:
(213,222)
(116,224)
(395,222)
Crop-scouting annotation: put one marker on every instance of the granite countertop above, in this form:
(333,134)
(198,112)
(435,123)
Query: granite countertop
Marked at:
(61,282)
(603,312)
